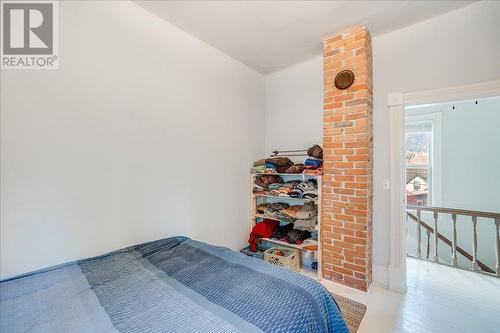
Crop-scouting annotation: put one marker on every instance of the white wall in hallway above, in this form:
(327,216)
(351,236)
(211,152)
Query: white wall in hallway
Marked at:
(471,154)
(470,176)
(143,132)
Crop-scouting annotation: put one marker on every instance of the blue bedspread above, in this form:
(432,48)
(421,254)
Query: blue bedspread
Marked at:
(170,285)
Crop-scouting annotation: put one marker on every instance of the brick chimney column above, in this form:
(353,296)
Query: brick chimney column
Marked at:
(347,141)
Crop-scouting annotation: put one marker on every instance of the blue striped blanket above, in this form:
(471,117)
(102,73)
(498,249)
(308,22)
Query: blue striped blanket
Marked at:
(170,285)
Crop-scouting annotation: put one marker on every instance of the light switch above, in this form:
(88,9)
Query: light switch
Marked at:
(387,184)
(395,99)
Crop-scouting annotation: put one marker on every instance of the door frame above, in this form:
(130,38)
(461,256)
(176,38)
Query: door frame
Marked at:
(396,103)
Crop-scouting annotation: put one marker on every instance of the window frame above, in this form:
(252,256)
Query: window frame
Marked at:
(433,166)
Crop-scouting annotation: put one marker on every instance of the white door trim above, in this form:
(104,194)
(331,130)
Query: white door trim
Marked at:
(397,266)
(396,104)
(470,91)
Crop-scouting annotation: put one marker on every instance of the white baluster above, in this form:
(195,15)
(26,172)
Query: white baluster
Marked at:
(436,259)
(454,242)
(428,250)
(497,242)
(474,244)
(419,236)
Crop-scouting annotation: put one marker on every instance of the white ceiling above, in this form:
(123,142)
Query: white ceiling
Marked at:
(272,35)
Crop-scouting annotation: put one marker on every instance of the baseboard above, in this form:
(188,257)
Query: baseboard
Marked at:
(380,278)
(342,289)
(397,279)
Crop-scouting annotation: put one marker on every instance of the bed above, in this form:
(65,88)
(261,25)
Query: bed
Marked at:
(170,285)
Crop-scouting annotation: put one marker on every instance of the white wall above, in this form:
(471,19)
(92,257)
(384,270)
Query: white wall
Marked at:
(457,48)
(294,100)
(143,132)
(471,154)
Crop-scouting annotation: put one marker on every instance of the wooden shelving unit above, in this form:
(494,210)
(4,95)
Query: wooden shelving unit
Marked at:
(254,216)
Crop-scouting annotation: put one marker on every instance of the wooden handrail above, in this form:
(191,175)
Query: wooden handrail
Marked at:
(455,211)
(483,266)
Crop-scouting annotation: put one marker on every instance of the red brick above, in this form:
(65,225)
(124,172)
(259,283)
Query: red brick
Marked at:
(347,142)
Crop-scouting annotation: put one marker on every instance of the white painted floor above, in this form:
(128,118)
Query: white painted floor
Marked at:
(439,299)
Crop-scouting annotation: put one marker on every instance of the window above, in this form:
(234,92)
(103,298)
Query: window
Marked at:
(419,163)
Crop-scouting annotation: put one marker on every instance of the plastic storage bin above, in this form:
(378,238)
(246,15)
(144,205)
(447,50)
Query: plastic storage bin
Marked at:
(259,254)
(283,257)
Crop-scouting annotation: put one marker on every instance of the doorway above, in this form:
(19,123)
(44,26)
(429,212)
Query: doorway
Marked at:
(427,174)
(452,158)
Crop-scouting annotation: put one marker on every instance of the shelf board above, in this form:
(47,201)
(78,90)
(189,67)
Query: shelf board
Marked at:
(282,197)
(295,246)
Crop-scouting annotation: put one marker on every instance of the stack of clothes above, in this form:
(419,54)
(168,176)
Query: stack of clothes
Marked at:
(299,222)
(274,185)
(275,210)
(311,166)
(272,165)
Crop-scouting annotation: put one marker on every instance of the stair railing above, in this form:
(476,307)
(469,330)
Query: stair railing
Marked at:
(476,264)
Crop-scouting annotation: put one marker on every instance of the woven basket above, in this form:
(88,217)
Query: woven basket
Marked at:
(283,257)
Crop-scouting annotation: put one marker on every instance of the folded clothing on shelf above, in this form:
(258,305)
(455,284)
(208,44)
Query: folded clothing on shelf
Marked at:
(280,161)
(305,189)
(281,164)
(281,231)
(285,212)
(296,168)
(278,193)
(313,163)
(291,184)
(284,191)
(273,164)
(307,211)
(276,210)
(292,210)
(297,222)
(278,215)
(258,169)
(266,180)
(306,225)
(274,185)
(313,172)
(276,206)
(296,236)
(259,190)
(261,208)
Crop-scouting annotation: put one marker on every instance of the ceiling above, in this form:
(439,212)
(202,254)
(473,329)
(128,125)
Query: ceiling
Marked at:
(271,35)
